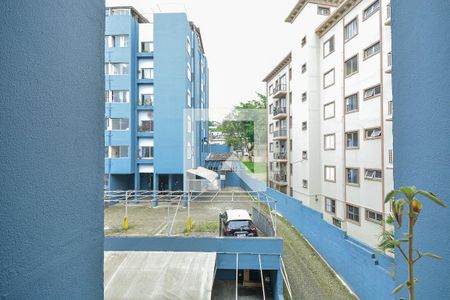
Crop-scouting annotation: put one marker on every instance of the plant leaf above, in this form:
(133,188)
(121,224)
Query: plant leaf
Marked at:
(391,195)
(397,209)
(398,288)
(432,197)
(409,191)
(429,254)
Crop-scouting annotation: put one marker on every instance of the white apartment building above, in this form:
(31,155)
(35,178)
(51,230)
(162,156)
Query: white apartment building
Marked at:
(340,113)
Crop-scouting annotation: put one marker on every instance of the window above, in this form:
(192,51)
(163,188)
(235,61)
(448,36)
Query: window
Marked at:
(373,174)
(372,50)
(337,222)
(146,152)
(290,121)
(351,140)
(328,46)
(188,98)
(118,124)
(304,125)
(330,205)
(372,133)
(303,41)
(120,11)
(390,156)
(116,69)
(305,183)
(146,126)
(351,103)
(116,41)
(330,173)
(352,213)
(147,73)
(188,45)
(271,108)
(328,79)
(117,96)
(372,92)
(188,71)
(373,8)
(351,29)
(351,66)
(304,68)
(329,141)
(119,151)
(304,97)
(106,151)
(271,147)
(147,47)
(271,89)
(270,128)
(328,111)
(146,99)
(352,175)
(325,11)
(304,155)
(374,216)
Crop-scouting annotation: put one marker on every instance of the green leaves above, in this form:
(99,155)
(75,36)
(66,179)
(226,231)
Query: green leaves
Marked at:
(398,288)
(397,209)
(390,196)
(432,197)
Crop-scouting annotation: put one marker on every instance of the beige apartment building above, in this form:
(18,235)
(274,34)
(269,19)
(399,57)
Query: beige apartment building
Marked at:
(338,120)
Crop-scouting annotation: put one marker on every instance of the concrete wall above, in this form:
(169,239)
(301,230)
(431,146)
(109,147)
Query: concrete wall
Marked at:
(51,170)
(421,79)
(366,272)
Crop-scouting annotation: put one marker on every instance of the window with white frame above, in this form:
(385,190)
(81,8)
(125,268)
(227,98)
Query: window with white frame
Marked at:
(351,140)
(337,222)
(330,173)
(147,47)
(119,151)
(351,103)
(146,152)
(329,141)
(372,50)
(374,216)
(372,92)
(146,73)
(120,11)
(328,79)
(373,174)
(118,124)
(116,41)
(147,99)
(351,65)
(116,69)
(372,133)
(353,213)
(328,46)
(322,10)
(330,205)
(117,96)
(351,29)
(352,175)
(328,111)
(188,71)
(373,8)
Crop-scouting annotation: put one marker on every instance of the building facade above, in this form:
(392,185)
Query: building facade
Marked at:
(156,98)
(340,113)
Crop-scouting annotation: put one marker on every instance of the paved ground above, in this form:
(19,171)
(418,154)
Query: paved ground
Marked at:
(309,276)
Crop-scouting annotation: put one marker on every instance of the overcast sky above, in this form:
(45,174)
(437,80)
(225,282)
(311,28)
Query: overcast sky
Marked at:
(243,40)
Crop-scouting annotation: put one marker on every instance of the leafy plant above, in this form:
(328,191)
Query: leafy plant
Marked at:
(413,209)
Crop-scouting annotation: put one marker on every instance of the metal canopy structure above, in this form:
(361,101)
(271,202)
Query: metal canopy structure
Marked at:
(158,275)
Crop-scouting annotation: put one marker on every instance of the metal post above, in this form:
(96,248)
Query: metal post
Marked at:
(275,219)
(262,277)
(168,218)
(125,219)
(237,274)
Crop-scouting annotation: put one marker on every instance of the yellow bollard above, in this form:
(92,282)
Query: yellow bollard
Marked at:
(125,223)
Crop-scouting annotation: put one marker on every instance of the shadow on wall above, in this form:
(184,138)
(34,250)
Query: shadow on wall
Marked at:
(367,272)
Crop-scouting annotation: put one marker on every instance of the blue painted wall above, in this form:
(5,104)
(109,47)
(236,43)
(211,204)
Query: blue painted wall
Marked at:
(362,268)
(51,170)
(421,82)
(220,148)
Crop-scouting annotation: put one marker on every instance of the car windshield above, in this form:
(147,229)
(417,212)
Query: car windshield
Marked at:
(238,224)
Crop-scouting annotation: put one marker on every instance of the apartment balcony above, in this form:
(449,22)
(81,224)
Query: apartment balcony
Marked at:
(388,17)
(279,91)
(280,134)
(279,112)
(280,156)
(145,128)
(145,103)
(279,178)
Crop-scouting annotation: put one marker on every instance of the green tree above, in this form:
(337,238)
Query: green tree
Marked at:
(388,242)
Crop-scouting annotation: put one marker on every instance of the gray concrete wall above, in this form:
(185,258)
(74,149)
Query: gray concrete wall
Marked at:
(51,153)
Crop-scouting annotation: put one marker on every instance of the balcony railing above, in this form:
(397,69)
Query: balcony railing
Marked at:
(279,110)
(280,155)
(279,177)
(279,88)
(280,133)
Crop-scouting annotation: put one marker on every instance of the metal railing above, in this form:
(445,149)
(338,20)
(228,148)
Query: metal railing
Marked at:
(279,110)
(280,155)
(279,88)
(280,176)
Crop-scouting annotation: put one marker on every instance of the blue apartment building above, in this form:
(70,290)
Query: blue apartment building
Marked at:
(156,100)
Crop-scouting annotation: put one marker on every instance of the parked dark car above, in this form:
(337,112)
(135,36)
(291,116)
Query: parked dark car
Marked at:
(237,222)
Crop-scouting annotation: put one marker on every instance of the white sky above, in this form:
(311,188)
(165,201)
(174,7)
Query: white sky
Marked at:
(243,39)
